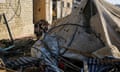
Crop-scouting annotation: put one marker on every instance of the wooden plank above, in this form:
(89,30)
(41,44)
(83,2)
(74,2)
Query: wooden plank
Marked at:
(39,10)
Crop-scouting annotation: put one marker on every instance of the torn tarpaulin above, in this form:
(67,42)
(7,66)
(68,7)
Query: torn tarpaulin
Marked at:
(48,51)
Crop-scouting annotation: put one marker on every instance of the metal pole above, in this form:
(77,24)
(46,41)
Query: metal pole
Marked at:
(8,28)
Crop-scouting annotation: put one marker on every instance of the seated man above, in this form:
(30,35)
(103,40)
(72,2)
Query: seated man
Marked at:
(40,27)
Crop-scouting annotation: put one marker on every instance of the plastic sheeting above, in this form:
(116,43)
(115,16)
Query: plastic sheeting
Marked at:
(75,35)
(47,50)
(111,15)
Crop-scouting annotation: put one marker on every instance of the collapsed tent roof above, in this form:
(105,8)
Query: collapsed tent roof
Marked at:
(91,26)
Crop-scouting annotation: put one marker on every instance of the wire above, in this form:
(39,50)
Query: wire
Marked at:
(67,25)
(69,44)
(18,7)
(73,36)
(15,11)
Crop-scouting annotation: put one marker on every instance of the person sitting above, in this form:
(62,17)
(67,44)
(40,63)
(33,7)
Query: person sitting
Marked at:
(40,28)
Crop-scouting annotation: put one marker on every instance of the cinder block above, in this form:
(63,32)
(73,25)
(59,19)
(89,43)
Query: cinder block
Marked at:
(20,25)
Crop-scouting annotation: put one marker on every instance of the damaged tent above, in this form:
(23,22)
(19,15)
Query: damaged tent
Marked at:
(92,30)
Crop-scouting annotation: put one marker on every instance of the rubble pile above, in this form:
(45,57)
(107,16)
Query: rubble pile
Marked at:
(82,37)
